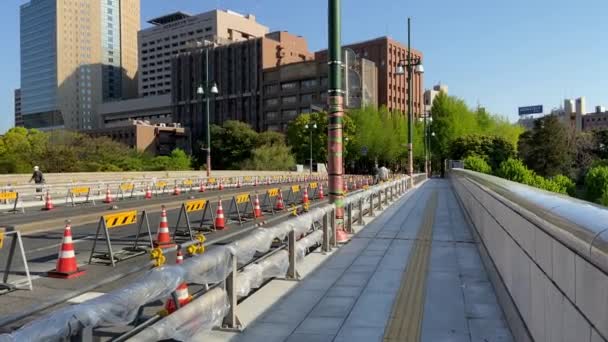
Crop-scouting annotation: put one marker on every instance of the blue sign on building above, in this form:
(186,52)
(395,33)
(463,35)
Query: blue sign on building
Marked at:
(530,110)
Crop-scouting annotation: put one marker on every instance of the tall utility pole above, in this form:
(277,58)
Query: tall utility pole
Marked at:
(410,104)
(336,113)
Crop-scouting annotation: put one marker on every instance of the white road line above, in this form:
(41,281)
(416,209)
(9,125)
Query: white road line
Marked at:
(56,246)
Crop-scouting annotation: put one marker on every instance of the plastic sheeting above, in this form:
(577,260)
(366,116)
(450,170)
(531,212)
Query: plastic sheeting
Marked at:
(254,275)
(311,240)
(185,324)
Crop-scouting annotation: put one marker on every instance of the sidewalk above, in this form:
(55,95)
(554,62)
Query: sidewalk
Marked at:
(414,273)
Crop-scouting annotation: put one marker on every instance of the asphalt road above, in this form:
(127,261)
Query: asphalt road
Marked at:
(41,250)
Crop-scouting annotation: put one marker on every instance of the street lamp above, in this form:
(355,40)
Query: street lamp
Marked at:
(314,126)
(211,89)
(413,64)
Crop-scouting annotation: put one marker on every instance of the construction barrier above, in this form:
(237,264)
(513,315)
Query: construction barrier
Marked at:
(188,184)
(313,192)
(126,189)
(16,241)
(79,192)
(268,201)
(294,195)
(120,220)
(211,181)
(194,206)
(14,197)
(239,207)
(160,187)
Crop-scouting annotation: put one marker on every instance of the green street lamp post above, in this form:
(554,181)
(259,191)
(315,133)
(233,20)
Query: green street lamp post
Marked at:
(310,128)
(206,90)
(413,64)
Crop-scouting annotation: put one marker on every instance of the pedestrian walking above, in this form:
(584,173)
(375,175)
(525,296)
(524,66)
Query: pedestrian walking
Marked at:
(38,178)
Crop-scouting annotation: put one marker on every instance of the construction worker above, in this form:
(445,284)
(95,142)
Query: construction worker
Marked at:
(38,178)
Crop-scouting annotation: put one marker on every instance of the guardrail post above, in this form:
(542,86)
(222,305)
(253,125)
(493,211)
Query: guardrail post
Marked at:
(380,200)
(231,321)
(386,196)
(371,205)
(326,238)
(334,237)
(292,272)
(360,218)
(349,220)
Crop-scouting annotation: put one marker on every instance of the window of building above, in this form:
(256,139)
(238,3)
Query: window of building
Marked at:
(272,115)
(305,110)
(324,82)
(306,98)
(271,102)
(271,89)
(289,85)
(289,114)
(208,29)
(309,83)
(289,99)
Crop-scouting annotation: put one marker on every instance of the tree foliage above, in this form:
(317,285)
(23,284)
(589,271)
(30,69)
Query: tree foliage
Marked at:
(275,157)
(477,163)
(515,170)
(66,151)
(493,149)
(547,149)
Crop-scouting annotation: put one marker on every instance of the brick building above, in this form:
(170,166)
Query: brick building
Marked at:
(392,88)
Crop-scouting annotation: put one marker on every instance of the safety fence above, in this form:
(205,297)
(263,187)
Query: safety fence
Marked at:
(18,198)
(232,270)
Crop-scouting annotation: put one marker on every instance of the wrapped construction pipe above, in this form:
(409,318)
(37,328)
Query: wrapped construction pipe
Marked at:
(254,275)
(198,316)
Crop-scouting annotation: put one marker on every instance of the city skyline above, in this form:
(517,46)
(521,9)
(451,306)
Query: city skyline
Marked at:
(456,42)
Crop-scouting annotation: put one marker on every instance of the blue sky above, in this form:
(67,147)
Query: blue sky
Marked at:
(500,54)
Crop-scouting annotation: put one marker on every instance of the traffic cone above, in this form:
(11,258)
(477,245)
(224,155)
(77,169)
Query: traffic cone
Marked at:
(219,216)
(238,182)
(257,211)
(256,182)
(202,187)
(148,192)
(176,190)
(163,238)
(346,187)
(108,198)
(220,185)
(321,195)
(181,292)
(305,196)
(280,205)
(48,203)
(267,180)
(67,266)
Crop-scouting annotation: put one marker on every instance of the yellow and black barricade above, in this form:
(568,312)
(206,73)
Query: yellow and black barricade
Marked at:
(188,184)
(211,181)
(294,195)
(313,191)
(12,196)
(121,220)
(194,206)
(160,187)
(268,201)
(239,208)
(125,189)
(79,192)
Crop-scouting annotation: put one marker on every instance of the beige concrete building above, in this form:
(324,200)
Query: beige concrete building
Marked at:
(159,139)
(153,109)
(180,32)
(75,55)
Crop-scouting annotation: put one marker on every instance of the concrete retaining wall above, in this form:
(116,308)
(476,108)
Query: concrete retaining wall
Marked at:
(557,294)
(62,178)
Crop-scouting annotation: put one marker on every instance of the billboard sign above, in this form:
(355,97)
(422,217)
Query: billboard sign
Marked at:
(530,110)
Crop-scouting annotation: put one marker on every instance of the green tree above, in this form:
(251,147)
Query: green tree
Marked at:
(476,163)
(548,148)
(231,144)
(492,149)
(270,138)
(275,157)
(596,181)
(180,160)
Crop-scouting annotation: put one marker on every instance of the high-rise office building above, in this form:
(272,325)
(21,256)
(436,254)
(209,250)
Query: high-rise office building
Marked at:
(76,54)
(180,32)
(18,118)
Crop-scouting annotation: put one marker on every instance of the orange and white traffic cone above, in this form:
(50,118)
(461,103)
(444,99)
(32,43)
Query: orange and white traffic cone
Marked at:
(238,182)
(163,238)
(267,180)
(255,182)
(67,265)
(202,187)
(148,192)
(48,202)
(346,187)
(220,222)
(181,292)
(108,198)
(176,190)
(321,195)
(257,211)
(220,185)
(279,205)
(305,196)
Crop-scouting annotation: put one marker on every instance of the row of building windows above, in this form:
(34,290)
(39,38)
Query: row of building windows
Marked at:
(166,39)
(287,100)
(288,114)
